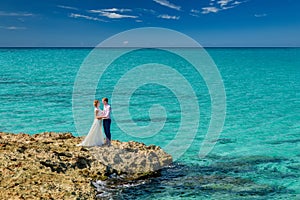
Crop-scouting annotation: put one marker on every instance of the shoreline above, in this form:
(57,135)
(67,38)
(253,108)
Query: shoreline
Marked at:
(50,165)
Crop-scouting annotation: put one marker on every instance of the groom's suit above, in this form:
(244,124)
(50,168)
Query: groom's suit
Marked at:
(107,121)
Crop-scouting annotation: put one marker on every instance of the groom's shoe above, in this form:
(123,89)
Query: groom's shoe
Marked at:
(108,142)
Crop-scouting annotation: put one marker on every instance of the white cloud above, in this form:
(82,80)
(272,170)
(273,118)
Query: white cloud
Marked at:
(207,10)
(67,7)
(236,3)
(12,27)
(72,15)
(15,14)
(147,10)
(167,4)
(194,15)
(111,15)
(195,11)
(116,10)
(223,2)
(217,6)
(228,7)
(260,15)
(168,17)
(116,15)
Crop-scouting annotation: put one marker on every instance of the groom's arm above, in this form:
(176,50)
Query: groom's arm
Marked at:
(106,114)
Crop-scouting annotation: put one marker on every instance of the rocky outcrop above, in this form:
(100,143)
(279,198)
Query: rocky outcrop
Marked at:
(50,165)
(132,158)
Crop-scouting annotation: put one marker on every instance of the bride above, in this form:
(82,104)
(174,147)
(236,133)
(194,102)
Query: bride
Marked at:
(95,136)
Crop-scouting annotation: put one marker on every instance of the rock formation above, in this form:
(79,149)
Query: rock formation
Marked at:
(50,165)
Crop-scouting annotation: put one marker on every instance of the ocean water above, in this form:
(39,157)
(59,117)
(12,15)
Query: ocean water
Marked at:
(257,155)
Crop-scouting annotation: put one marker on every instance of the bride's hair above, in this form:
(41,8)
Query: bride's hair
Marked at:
(96,102)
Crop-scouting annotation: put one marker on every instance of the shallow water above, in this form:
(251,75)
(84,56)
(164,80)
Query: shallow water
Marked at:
(259,143)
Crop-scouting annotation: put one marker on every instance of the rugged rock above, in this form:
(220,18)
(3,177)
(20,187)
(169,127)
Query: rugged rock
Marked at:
(50,165)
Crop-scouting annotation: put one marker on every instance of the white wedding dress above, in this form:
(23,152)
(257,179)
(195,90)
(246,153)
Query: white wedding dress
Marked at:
(95,135)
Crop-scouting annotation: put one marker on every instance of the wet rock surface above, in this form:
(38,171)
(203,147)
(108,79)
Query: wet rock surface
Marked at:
(50,165)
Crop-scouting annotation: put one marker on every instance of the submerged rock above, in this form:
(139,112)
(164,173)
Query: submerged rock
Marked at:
(50,165)
(244,164)
(194,181)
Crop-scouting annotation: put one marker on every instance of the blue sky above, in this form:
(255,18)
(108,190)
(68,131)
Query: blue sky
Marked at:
(82,23)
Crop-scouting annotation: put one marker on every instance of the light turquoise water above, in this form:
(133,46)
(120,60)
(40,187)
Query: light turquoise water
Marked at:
(260,141)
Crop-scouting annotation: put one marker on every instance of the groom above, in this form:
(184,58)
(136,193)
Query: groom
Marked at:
(106,120)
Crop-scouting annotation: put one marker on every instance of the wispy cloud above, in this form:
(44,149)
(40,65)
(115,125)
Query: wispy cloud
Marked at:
(16,14)
(168,17)
(148,11)
(237,3)
(110,13)
(217,6)
(260,15)
(223,3)
(73,15)
(12,27)
(116,10)
(113,15)
(195,11)
(206,10)
(228,7)
(168,4)
(67,7)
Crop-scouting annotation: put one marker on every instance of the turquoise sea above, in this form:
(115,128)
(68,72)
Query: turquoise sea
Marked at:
(257,155)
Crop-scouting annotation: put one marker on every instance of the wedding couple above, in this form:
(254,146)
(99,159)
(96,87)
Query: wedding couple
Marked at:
(95,136)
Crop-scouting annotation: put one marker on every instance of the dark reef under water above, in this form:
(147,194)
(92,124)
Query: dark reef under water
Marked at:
(225,178)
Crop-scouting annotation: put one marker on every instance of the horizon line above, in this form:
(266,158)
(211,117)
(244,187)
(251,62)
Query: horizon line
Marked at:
(92,47)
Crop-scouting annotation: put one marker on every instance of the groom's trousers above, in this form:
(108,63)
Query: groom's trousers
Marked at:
(106,126)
